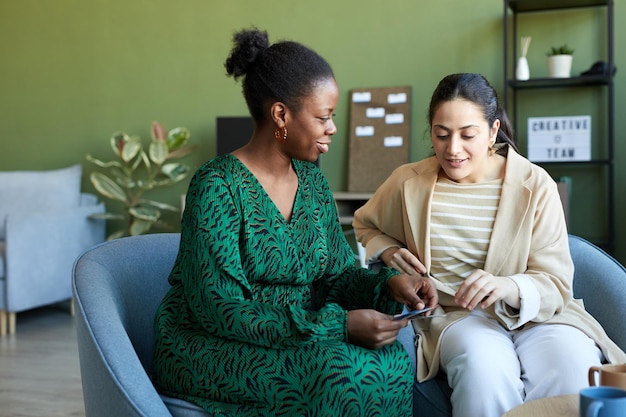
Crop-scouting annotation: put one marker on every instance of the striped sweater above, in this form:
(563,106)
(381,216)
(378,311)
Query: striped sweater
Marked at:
(462,217)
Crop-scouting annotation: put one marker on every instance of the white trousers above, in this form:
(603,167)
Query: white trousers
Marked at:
(492,370)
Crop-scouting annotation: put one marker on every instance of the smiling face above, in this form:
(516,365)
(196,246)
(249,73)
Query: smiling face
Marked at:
(311,127)
(461,138)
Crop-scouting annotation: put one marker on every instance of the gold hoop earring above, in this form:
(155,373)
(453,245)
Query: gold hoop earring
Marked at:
(281,134)
(493,149)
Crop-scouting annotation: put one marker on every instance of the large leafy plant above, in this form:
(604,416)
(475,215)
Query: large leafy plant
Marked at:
(136,172)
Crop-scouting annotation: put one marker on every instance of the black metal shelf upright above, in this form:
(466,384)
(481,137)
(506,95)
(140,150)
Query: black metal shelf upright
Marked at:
(516,7)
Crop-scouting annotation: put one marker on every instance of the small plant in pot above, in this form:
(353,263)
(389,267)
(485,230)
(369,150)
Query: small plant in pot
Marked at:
(560,61)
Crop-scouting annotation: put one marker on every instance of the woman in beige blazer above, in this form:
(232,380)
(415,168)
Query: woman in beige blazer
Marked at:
(489,228)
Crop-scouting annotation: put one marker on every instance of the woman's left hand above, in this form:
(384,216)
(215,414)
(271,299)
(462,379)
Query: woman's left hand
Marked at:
(416,292)
(484,289)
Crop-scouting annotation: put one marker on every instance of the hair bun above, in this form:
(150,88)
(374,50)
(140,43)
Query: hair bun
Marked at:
(248,45)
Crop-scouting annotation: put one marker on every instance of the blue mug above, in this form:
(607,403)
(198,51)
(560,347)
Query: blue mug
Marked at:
(602,402)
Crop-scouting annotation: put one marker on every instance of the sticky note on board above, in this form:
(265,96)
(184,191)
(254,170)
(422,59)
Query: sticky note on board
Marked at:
(394,118)
(393,141)
(362,97)
(396,98)
(375,112)
(364,131)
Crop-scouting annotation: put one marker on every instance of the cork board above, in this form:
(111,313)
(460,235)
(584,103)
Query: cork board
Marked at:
(380,131)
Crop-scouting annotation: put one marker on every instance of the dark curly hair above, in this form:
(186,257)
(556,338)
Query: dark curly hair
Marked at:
(474,88)
(285,71)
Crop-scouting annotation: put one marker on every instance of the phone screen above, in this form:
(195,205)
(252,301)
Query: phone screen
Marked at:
(411,314)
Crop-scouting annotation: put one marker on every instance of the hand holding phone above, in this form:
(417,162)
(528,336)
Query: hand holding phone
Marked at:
(411,314)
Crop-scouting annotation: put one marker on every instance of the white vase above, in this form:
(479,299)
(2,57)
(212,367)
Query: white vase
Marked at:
(522,72)
(559,66)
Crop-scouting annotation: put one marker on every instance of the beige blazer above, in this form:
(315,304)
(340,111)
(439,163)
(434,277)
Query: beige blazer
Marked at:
(398,214)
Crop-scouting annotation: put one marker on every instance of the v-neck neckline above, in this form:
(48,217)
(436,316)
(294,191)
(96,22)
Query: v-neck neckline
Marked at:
(296,201)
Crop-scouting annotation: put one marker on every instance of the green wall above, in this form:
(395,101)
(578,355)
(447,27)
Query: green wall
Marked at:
(73,71)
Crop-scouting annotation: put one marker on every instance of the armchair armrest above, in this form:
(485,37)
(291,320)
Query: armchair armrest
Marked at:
(600,280)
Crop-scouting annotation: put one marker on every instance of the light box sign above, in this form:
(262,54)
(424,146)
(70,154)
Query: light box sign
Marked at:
(557,139)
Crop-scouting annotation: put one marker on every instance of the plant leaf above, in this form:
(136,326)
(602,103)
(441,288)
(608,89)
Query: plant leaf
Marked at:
(162,206)
(146,161)
(179,153)
(177,137)
(118,141)
(107,187)
(103,164)
(107,216)
(140,227)
(175,171)
(145,212)
(131,148)
(158,131)
(158,152)
(123,179)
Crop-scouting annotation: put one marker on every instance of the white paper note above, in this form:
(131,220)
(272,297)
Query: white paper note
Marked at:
(375,112)
(394,118)
(362,97)
(396,98)
(365,131)
(393,141)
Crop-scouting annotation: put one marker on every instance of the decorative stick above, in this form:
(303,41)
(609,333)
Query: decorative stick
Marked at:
(525,45)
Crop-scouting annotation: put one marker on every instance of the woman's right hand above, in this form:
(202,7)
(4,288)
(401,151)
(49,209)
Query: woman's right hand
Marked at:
(372,329)
(402,260)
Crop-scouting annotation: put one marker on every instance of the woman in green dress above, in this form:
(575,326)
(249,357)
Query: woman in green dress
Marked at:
(268,314)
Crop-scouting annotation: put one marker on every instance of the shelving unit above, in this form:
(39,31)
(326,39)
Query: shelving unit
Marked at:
(512,9)
(347,203)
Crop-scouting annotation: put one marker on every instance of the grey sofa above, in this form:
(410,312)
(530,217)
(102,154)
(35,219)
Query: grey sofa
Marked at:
(119,284)
(44,226)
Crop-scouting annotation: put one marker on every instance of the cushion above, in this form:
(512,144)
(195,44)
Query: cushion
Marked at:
(180,408)
(23,191)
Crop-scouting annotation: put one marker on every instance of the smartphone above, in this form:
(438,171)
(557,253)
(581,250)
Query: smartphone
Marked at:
(411,314)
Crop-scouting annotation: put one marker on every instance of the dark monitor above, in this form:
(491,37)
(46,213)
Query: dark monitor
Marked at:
(232,133)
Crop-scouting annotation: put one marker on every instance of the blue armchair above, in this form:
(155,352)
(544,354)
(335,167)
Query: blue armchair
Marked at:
(117,287)
(44,226)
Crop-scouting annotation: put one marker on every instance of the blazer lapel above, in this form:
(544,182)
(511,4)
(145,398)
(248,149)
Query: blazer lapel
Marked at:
(513,208)
(418,191)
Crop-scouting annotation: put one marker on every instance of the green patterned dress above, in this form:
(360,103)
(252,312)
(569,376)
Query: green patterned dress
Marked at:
(255,321)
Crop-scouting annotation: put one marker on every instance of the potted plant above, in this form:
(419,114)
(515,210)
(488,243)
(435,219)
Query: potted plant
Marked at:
(136,172)
(560,61)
